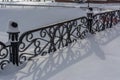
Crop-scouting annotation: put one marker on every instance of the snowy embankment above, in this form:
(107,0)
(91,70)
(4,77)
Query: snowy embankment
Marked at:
(95,58)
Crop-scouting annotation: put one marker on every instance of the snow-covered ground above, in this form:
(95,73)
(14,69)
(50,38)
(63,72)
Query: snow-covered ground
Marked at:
(94,58)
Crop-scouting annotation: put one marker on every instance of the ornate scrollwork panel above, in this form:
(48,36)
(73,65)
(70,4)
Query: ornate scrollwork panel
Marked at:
(49,39)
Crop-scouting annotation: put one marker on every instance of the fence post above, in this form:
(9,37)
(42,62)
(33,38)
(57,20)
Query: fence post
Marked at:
(90,20)
(13,33)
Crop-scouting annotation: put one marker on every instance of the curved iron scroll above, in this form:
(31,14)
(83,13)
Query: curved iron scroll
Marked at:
(49,39)
(3,55)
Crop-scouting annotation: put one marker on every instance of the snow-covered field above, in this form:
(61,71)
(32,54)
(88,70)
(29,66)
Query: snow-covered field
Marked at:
(94,58)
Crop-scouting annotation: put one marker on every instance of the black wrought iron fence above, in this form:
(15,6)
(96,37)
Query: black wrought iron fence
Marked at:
(105,20)
(48,39)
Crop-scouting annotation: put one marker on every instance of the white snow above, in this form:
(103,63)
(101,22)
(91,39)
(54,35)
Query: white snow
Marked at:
(29,18)
(93,58)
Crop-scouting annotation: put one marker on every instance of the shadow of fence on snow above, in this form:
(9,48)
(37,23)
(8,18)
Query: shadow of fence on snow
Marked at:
(45,67)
